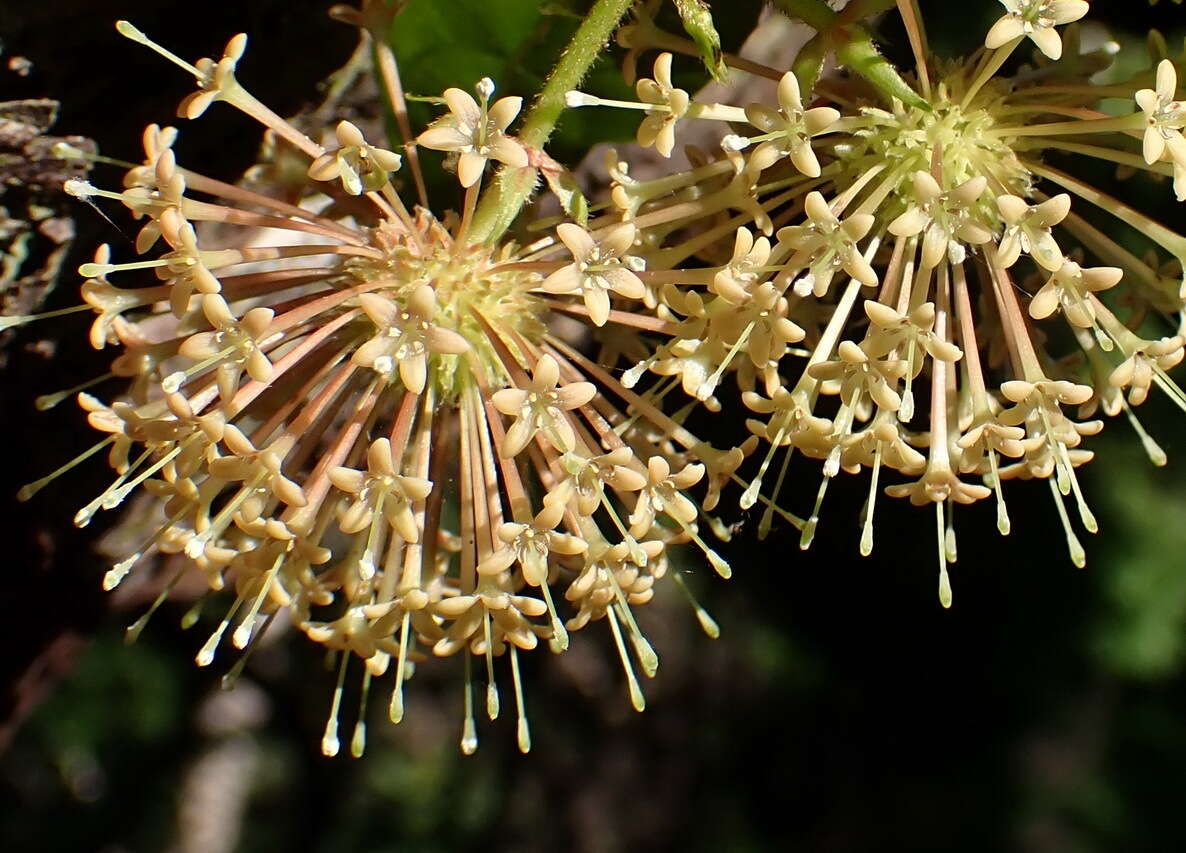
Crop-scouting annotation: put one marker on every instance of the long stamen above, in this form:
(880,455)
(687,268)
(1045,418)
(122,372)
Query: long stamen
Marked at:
(1078,555)
(646,653)
(29,489)
(636,698)
(396,711)
(940,535)
(205,655)
(128,31)
(491,684)
(1152,448)
(11,321)
(358,741)
(871,504)
(329,741)
(243,633)
(469,729)
(523,732)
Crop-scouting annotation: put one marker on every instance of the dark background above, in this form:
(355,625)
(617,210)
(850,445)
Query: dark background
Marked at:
(841,710)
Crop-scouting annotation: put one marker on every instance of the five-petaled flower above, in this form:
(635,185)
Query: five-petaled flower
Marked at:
(359,166)
(476,132)
(599,266)
(1035,19)
(541,406)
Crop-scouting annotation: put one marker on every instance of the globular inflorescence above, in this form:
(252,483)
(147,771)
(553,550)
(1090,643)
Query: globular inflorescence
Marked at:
(895,264)
(378,426)
(370,423)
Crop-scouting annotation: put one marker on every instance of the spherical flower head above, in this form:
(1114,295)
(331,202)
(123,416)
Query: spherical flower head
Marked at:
(1036,20)
(476,132)
(356,423)
(359,166)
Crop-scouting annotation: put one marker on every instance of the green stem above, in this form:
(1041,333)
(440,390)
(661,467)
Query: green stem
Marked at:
(852,43)
(512,187)
(814,13)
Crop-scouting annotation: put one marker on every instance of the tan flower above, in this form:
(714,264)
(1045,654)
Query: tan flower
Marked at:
(236,344)
(380,490)
(406,337)
(1137,372)
(945,219)
(670,104)
(1028,227)
(1068,287)
(1035,19)
(476,133)
(261,467)
(736,280)
(787,131)
(541,406)
(598,267)
(1166,118)
(825,245)
(359,166)
(664,493)
(616,469)
(530,544)
(859,375)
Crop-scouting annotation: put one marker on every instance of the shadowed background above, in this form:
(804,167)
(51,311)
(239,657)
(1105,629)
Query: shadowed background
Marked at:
(841,710)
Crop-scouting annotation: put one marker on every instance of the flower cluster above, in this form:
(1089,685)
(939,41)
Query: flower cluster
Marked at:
(378,427)
(372,424)
(887,314)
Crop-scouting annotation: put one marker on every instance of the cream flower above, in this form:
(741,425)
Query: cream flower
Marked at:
(406,337)
(1069,286)
(1137,372)
(380,490)
(530,545)
(1035,19)
(1166,118)
(541,406)
(359,166)
(1027,229)
(736,281)
(237,345)
(664,493)
(670,104)
(477,133)
(788,130)
(945,219)
(825,245)
(598,267)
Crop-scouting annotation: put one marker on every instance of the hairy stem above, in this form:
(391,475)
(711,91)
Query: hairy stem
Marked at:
(512,187)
